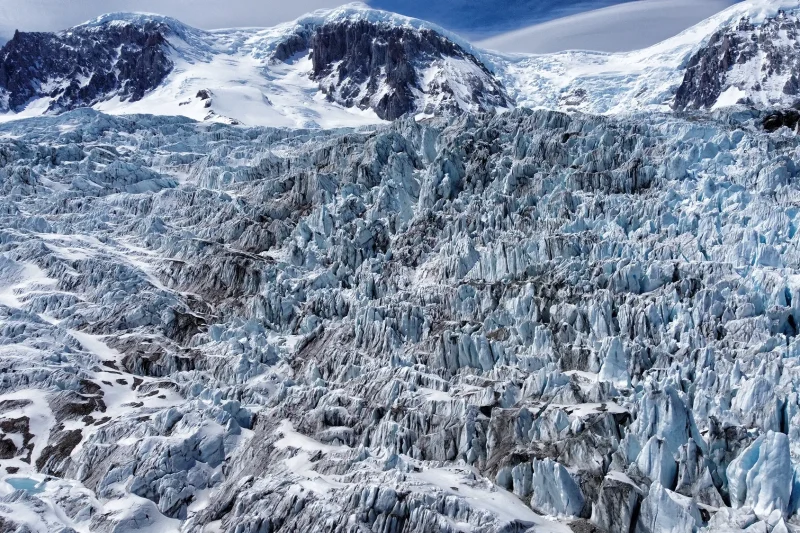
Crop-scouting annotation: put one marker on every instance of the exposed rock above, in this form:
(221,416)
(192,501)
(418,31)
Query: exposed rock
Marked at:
(395,70)
(84,65)
(745,60)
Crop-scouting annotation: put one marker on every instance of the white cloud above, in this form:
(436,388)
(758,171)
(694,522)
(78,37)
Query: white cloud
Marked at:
(618,28)
(622,27)
(484,18)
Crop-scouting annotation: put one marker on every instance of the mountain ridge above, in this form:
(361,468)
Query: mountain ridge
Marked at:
(256,82)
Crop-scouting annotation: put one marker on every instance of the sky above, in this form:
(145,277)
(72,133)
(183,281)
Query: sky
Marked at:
(619,28)
(535,26)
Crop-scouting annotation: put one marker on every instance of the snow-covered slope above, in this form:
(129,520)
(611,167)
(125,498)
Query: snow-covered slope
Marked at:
(752,63)
(634,81)
(258,76)
(354,66)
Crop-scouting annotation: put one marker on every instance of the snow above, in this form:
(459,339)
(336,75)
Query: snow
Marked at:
(301,466)
(94,344)
(20,279)
(435,395)
(729,97)
(493,499)
(34,108)
(140,514)
(41,421)
(294,439)
(582,410)
(19,513)
(241,92)
(620,476)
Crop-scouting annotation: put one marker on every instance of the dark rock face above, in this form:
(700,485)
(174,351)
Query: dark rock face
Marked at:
(83,66)
(773,49)
(379,66)
(55,455)
(778,119)
(616,505)
(706,73)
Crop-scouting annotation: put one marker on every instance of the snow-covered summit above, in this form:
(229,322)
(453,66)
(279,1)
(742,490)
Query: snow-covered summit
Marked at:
(260,76)
(130,17)
(618,83)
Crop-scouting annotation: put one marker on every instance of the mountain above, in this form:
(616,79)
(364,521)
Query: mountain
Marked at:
(366,66)
(82,67)
(755,64)
(530,320)
(355,66)
(646,80)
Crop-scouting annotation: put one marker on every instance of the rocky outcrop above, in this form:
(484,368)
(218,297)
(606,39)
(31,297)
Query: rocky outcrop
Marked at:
(755,64)
(707,72)
(83,66)
(395,70)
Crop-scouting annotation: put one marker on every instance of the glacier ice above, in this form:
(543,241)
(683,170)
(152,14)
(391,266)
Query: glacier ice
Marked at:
(520,321)
(762,476)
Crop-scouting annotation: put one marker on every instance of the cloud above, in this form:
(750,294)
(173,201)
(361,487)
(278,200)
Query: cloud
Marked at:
(623,27)
(482,18)
(472,18)
(53,15)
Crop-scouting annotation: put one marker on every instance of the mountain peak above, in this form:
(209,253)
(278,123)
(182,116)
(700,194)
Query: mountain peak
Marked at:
(331,68)
(322,61)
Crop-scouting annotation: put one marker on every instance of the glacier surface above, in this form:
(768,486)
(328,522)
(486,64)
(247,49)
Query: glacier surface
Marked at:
(528,321)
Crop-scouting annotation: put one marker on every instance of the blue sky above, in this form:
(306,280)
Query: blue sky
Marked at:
(474,19)
(483,18)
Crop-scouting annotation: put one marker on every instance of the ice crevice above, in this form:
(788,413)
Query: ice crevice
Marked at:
(529,321)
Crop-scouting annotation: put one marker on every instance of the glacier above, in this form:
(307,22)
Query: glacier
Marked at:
(526,321)
(424,303)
